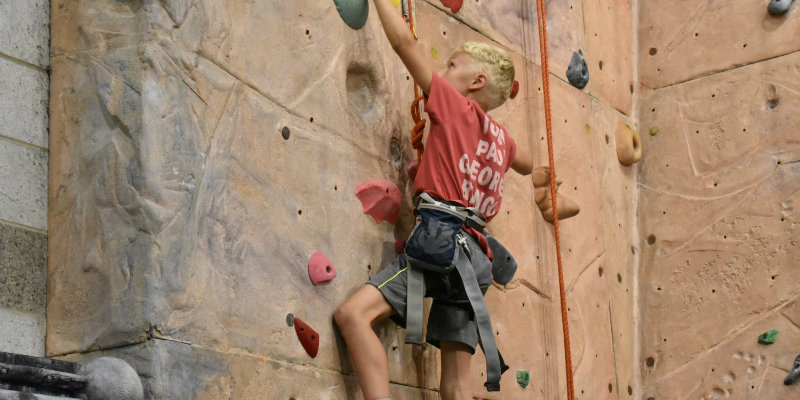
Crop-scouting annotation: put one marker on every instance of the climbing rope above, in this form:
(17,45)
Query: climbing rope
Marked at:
(540,8)
(416,107)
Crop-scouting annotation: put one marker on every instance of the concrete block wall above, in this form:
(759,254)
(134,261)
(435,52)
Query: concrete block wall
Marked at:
(24,143)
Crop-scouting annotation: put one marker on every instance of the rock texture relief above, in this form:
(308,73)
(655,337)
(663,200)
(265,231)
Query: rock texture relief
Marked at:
(719,232)
(681,40)
(202,151)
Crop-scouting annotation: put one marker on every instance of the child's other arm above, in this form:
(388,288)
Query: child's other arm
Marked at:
(404,44)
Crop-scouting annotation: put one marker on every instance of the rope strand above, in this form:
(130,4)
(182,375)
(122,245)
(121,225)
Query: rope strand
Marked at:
(418,130)
(541,12)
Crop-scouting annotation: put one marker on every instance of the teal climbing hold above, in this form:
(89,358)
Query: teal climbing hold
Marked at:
(523,378)
(353,12)
(768,337)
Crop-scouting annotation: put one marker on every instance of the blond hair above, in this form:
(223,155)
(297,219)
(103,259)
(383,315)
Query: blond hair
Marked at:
(498,67)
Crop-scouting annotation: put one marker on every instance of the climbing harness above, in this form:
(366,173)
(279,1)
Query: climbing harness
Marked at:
(438,244)
(542,17)
(416,107)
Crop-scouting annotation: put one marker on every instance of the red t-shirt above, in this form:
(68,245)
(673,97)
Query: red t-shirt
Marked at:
(467,154)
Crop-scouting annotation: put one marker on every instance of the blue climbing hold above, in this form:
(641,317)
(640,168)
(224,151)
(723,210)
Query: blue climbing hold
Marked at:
(779,7)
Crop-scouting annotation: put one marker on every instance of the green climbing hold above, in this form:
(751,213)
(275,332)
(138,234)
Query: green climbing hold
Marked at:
(588,130)
(523,378)
(434,53)
(654,131)
(768,337)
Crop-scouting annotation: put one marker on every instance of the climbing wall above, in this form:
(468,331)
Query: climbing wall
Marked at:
(202,151)
(719,194)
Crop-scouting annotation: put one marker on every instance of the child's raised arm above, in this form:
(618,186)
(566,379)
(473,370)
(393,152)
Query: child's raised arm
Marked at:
(404,44)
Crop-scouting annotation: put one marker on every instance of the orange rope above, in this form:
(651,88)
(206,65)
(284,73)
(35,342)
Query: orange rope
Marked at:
(548,123)
(416,108)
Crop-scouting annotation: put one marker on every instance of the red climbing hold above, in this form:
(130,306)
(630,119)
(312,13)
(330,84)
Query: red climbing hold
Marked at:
(454,5)
(412,168)
(514,89)
(309,338)
(380,199)
(399,246)
(320,269)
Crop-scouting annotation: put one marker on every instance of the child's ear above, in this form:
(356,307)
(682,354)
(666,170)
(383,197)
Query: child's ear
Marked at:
(479,82)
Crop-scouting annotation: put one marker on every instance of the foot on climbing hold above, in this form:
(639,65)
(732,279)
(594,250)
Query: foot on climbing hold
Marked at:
(399,246)
(412,169)
(514,89)
(380,199)
(320,269)
(523,378)
(629,145)
(541,193)
(779,7)
(578,71)
(309,338)
(353,12)
(768,337)
(455,5)
(794,374)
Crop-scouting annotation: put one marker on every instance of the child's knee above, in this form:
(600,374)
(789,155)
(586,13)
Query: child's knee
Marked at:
(346,315)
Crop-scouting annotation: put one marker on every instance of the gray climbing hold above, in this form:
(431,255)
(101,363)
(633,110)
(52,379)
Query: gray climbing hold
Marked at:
(504,265)
(794,374)
(110,378)
(779,7)
(578,71)
(353,12)
(290,320)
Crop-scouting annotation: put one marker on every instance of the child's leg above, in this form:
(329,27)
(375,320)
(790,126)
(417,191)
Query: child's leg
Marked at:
(455,383)
(355,318)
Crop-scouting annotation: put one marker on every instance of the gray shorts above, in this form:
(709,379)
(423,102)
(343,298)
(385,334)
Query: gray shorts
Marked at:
(451,317)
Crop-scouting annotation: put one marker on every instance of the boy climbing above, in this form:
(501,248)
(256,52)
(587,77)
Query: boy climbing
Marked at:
(459,187)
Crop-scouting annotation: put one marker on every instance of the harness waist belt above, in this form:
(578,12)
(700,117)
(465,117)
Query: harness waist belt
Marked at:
(469,215)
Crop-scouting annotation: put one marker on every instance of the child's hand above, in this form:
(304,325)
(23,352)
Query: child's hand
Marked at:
(404,44)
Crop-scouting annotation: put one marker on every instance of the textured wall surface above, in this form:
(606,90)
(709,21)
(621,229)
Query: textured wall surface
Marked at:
(719,191)
(24,81)
(181,220)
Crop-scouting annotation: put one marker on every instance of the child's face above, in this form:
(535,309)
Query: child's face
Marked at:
(458,72)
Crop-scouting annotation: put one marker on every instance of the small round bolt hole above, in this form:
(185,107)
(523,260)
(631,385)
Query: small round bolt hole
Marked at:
(286,132)
(328,269)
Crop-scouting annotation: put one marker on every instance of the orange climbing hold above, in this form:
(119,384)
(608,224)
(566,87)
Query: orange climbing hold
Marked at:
(320,269)
(309,338)
(380,199)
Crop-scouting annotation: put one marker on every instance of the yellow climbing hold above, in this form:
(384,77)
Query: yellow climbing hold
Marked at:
(654,131)
(434,52)
(396,3)
(588,130)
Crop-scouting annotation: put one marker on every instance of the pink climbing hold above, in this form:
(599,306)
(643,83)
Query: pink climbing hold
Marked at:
(454,5)
(320,269)
(412,169)
(309,338)
(514,89)
(380,199)
(399,246)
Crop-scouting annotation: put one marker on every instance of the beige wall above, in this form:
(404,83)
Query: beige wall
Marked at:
(719,191)
(24,80)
